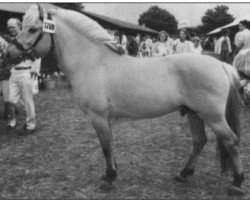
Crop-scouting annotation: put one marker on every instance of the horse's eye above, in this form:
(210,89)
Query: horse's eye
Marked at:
(32,30)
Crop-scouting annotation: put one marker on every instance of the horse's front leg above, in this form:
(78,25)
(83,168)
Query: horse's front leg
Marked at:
(102,127)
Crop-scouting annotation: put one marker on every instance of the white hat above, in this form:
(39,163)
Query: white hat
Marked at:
(13,22)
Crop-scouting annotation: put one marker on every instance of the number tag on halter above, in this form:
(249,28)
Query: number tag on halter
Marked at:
(49,26)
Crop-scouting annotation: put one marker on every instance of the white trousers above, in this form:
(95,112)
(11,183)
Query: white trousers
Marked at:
(20,88)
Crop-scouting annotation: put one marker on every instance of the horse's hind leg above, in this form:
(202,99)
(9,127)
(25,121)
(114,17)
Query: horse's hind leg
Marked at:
(227,137)
(103,130)
(199,140)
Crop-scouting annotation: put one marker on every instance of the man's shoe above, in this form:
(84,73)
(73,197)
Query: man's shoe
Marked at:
(9,128)
(26,131)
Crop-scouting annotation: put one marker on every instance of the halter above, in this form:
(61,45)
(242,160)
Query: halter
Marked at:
(27,52)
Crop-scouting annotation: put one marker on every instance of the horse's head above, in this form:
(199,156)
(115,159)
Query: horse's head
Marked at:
(32,39)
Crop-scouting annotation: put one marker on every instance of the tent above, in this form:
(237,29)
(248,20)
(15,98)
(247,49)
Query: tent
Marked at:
(111,23)
(234,23)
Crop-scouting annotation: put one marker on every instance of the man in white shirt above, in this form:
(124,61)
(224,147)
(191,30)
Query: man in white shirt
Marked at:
(20,85)
(223,46)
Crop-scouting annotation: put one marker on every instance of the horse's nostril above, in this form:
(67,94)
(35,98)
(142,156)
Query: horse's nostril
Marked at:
(8,55)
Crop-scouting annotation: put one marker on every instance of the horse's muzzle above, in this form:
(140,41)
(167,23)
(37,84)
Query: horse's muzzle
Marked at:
(11,58)
(7,56)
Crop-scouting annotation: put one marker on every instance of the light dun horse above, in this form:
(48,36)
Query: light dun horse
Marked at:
(106,84)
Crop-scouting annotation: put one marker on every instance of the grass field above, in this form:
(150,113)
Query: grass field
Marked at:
(63,159)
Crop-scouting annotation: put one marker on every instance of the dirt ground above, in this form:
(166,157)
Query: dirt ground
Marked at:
(63,159)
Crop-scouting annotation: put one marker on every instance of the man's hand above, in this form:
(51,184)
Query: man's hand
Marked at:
(34,75)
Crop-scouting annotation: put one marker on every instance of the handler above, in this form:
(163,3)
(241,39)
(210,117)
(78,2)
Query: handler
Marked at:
(20,85)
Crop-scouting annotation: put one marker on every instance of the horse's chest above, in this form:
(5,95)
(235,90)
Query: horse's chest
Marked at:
(90,97)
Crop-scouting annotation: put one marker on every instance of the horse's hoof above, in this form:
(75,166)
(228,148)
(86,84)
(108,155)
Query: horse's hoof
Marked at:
(103,178)
(235,191)
(180,178)
(107,186)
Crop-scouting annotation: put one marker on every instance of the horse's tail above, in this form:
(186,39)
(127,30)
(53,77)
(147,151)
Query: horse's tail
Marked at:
(232,114)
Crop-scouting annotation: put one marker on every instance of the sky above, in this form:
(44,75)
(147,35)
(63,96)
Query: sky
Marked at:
(192,12)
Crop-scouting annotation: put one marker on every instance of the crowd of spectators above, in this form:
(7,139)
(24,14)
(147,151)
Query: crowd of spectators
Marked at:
(154,46)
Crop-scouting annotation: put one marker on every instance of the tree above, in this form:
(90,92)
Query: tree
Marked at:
(215,18)
(158,19)
(72,6)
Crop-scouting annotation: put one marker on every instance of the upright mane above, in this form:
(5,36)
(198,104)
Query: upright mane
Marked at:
(88,27)
(85,25)
(31,16)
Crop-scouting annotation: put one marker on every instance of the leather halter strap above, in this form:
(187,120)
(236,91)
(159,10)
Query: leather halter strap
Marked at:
(25,52)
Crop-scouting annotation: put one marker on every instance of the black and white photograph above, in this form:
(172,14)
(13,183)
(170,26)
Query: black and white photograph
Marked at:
(125,100)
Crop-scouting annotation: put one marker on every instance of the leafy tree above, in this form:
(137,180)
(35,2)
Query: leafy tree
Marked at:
(158,19)
(215,18)
(72,6)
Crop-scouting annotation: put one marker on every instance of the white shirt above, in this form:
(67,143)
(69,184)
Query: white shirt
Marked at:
(149,43)
(162,49)
(184,47)
(243,37)
(35,65)
(198,49)
(25,63)
(124,42)
(217,47)
(138,39)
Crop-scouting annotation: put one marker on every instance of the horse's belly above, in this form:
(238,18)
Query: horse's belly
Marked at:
(145,106)
(143,114)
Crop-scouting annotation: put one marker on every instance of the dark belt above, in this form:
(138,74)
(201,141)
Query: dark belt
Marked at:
(22,68)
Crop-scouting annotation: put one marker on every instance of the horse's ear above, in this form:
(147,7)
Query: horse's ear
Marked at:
(41,12)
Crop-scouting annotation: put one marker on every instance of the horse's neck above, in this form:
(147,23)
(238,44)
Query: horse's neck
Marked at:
(74,51)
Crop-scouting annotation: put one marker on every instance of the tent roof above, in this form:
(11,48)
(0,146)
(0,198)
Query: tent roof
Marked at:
(118,22)
(234,23)
(22,7)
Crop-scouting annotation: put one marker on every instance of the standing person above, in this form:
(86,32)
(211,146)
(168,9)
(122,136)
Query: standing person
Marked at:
(162,47)
(143,49)
(124,41)
(183,45)
(242,38)
(242,43)
(223,46)
(138,39)
(117,39)
(20,85)
(213,42)
(242,59)
(149,44)
(4,83)
(197,45)
(132,46)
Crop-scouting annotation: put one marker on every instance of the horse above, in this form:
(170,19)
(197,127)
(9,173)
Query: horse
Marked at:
(107,84)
